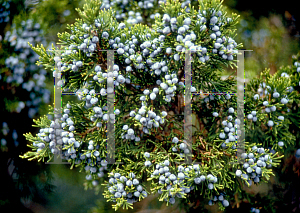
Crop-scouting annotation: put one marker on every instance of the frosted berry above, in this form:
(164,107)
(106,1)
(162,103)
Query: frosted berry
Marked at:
(298,153)
(210,186)
(270,123)
(238,173)
(276,95)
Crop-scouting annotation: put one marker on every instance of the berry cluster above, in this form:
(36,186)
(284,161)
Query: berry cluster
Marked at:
(127,10)
(252,116)
(229,133)
(24,62)
(147,162)
(4,12)
(224,46)
(256,162)
(170,183)
(128,49)
(126,187)
(264,90)
(74,149)
(273,97)
(177,184)
(255,210)
(46,135)
(87,45)
(220,198)
(20,72)
(91,167)
(146,118)
(182,147)
(5,131)
(147,75)
(61,137)
(297,65)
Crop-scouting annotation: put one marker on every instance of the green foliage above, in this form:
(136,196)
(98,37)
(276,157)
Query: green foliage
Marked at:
(85,131)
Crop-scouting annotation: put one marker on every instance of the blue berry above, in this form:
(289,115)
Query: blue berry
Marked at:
(105,35)
(244,155)
(270,123)
(254,148)
(215,114)
(173,21)
(213,36)
(135,182)
(130,131)
(129,183)
(298,153)
(273,108)
(118,195)
(172,200)
(148,163)
(281,118)
(250,155)
(245,176)
(117,175)
(246,165)
(187,21)
(250,117)
(166,18)
(238,173)
(123,179)
(210,186)
(249,170)
(172,177)
(225,203)
(180,175)
(230,110)
(131,175)
(258,170)
(139,188)
(176,57)
(222,135)
(182,146)
(120,51)
(147,155)
(197,180)
(276,95)
(284,101)
(169,50)
(174,149)
(181,30)
(146,92)
(152,96)
(111,180)
(136,193)
(256,179)
(166,30)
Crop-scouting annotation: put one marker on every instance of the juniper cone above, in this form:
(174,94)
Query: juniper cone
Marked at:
(148,73)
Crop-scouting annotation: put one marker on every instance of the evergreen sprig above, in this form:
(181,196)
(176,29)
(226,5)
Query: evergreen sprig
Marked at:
(149,84)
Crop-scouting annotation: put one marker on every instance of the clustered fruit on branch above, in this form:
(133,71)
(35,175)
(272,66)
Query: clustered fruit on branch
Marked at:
(148,75)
